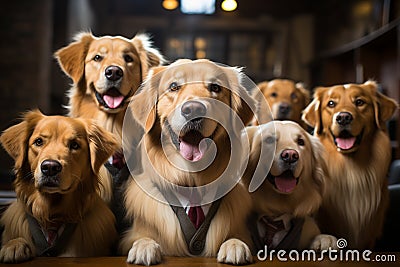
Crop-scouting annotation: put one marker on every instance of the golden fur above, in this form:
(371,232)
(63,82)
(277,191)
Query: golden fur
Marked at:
(156,230)
(310,171)
(357,196)
(281,94)
(87,60)
(80,148)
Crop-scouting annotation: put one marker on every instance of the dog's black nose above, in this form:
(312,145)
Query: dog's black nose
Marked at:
(284,108)
(50,167)
(114,73)
(193,109)
(344,118)
(289,156)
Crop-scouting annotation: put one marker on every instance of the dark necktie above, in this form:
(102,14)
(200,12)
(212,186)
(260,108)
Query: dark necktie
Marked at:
(196,215)
(271,228)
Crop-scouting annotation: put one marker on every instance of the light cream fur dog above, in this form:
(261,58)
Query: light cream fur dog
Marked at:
(290,163)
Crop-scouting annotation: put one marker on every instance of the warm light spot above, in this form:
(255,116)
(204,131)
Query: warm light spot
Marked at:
(170,4)
(200,43)
(200,54)
(229,5)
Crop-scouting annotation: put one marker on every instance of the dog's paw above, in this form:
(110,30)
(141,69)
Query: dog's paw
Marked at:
(324,242)
(16,250)
(144,251)
(234,251)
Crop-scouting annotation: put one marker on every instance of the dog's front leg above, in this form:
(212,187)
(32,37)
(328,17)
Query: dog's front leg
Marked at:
(145,251)
(16,250)
(234,251)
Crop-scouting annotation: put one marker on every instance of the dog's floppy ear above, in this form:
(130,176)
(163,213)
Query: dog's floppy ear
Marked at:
(72,57)
(15,139)
(384,107)
(304,92)
(312,113)
(143,104)
(263,111)
(320,169)
(149,56)
(241,101)
(102,144)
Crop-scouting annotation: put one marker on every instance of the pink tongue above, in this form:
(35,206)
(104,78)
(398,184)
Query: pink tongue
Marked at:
(285,184)
(113,101)
(192,152)
(345,143)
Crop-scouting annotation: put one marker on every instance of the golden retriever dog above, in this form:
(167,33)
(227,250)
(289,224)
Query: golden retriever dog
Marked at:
(287,165)
(106,71)
(58,211)
(286,100)
(350,121)
(192,113)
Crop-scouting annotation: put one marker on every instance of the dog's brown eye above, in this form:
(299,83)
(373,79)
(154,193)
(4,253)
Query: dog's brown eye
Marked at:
(359,102)
(73,145)
(97,58)
(293,96)
(331,104)
(174,86)
(300,142)
(128,58)
(38,141)
(213,87)
(274,94)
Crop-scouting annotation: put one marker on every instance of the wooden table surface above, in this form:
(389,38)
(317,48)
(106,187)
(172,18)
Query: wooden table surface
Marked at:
(186,262)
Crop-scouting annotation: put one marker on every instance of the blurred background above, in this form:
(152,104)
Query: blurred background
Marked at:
(316,42)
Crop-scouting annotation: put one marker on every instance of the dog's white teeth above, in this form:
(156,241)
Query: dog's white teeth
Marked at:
(338,149)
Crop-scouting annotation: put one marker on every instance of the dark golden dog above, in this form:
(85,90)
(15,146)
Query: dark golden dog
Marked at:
(57,160)
(350,122)
(106,72)
(292,163)
(187,111)
(286,100)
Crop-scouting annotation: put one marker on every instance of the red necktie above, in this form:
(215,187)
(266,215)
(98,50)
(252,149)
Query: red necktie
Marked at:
(196,215)
(118,160)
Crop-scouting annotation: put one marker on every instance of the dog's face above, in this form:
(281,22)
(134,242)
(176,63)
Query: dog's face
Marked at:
(295,181)
(109,68)
(57,155)
(285,98)
(193,99)
(347,115)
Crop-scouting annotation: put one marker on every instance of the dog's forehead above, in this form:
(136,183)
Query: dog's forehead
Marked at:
(192,72)
(350,90)
(107,44)
(288,130)
(59,126)
(282,86)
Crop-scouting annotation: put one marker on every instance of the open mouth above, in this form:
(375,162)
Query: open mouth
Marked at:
(346,141)
(285,182)
(112,99)
(191,144)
